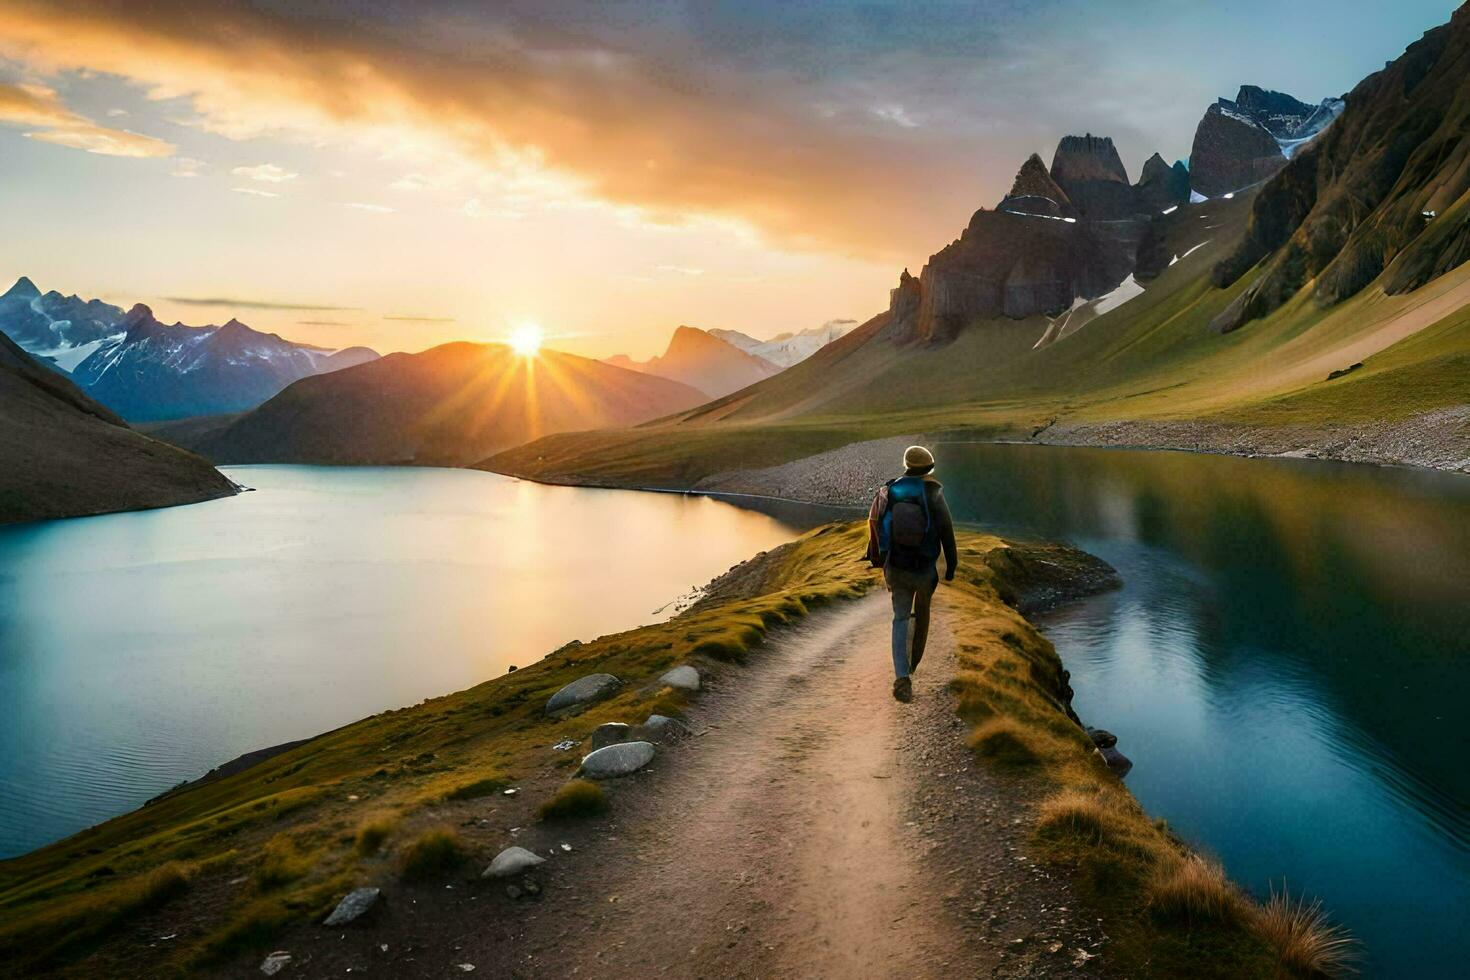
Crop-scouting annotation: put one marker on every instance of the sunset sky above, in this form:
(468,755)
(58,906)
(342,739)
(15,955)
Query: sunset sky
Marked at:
(402,174)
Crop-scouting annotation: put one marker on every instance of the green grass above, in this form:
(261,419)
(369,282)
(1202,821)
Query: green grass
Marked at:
(431,854)
(478,788)
(577,798)
(373,833)
(1152,359)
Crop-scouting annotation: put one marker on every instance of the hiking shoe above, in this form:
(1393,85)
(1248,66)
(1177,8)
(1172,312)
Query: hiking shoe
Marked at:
(903,690)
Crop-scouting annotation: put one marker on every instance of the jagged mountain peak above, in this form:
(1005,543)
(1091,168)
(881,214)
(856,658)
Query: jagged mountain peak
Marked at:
(23,287)
(1035,192)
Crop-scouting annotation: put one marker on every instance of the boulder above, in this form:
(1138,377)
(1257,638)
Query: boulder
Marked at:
(1117,761)
(1102,738)
(610,734)
(583,690)
(661,728)
(622,759)
(512,861)
(684,678)
(354,905)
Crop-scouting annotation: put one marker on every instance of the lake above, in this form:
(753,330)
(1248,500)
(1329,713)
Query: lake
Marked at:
(1287,665)
(141,649)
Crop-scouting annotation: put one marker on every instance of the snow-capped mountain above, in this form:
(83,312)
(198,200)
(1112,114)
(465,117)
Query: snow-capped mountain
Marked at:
(58,329)
(788,348)
(157,371)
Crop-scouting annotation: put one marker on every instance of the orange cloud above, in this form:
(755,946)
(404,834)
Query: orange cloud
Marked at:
(36,105)
(614,126)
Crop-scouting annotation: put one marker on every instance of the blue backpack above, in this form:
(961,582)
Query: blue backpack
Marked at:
(906,532)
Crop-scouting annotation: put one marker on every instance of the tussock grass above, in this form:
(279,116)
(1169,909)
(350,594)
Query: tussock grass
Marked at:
(1306,943)
(373,832)
(84,919)
(281,863)
(576,798)
(478,788)
(1006,743)
(432,853)
(1194,891)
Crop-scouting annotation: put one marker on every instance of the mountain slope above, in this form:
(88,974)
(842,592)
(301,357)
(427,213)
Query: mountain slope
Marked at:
(451,404)
(157,371)
(63,455)
(1386,189)
(704,361)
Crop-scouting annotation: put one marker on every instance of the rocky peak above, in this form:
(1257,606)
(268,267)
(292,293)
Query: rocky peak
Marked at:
(1161,186)
(23,288)
(1034,192)
(1087,157)
(140,324)
(1231,152)
(1276,112)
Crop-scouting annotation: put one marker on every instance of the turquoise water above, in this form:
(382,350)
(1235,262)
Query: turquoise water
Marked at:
(138,650)
(1287,665)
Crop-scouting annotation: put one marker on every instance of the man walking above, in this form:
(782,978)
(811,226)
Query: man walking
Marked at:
(908,525)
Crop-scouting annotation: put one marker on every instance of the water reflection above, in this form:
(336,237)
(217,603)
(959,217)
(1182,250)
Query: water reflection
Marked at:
(1285,665)
(137,650)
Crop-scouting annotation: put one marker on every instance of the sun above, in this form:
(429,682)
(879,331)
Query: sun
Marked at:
(525,339)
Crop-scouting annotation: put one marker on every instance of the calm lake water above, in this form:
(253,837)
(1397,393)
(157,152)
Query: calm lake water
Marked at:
(138,650)
(1287,664)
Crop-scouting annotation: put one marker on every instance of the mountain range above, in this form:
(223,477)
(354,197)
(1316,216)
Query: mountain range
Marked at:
(448,405)
(786,349)
(146,370)
(1314,301)
(703,361)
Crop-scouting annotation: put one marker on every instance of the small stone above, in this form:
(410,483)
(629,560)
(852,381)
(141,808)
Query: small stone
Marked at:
(511,669)
(617,760)
(684,678)
(512,861)
(467,967)
(513,891)
(275,962)
(662,728)
(531,886)
(354,905)
(583,690)
(609,734)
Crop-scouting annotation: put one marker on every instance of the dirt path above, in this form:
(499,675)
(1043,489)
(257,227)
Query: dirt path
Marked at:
(816,828)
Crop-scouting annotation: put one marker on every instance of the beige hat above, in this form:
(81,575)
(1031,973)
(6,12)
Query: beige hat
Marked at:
(918,458)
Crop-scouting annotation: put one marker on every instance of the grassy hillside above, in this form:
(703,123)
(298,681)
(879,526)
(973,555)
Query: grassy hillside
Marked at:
(1152,358)
(225,864)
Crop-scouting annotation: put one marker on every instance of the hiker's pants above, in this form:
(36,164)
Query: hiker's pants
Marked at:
(911,593)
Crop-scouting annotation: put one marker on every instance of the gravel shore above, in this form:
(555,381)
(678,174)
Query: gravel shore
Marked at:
(849,476)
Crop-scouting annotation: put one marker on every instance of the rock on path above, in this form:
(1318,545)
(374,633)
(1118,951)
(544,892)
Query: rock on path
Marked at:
(617,760)
(583,690)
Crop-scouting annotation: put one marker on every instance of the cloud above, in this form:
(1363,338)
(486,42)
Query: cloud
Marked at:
(255,304)
(371,208)
(267,172)
(116,113)
(682,270)
(411,318)
(897,115)
(410,182)
(41,107)
(680,139)
(187,167)
(254,192)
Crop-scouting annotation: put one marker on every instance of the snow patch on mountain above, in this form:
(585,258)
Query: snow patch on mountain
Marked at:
(788,348)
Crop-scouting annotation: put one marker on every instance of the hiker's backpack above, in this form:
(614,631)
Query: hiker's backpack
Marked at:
(906,531)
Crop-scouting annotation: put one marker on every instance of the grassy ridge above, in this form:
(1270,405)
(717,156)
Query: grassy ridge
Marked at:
(280,842)
(1169,911)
